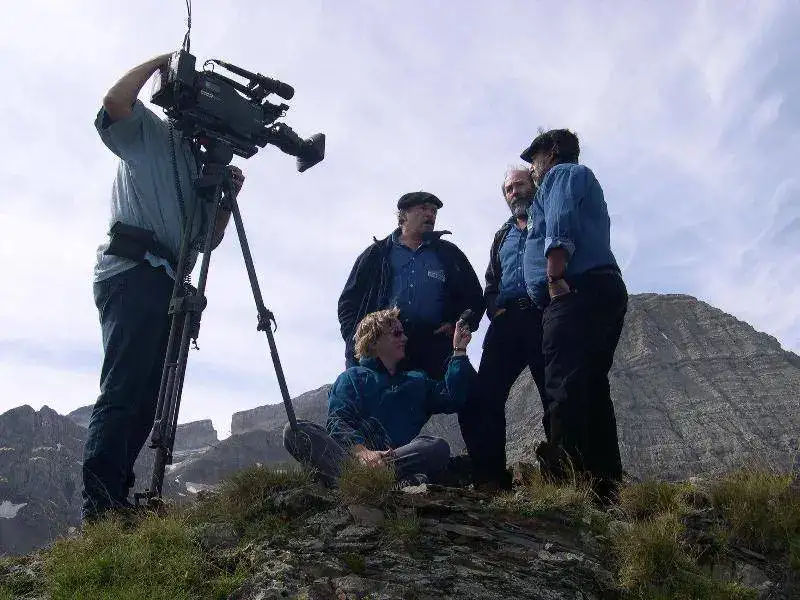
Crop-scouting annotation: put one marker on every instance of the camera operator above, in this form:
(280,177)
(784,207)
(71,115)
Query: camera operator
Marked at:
(151,198)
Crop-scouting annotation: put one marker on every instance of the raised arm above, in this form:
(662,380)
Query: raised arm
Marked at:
(450,395)
(118,101)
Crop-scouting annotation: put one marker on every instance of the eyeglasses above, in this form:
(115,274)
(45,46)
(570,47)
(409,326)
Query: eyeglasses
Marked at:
(397,333)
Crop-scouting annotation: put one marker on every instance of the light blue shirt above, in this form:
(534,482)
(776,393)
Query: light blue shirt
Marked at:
(569,212)
(418,283)
(143,193)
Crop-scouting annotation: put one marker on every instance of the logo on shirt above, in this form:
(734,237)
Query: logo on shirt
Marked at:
(440,275)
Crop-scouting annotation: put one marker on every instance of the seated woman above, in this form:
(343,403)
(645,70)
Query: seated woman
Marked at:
(376,412)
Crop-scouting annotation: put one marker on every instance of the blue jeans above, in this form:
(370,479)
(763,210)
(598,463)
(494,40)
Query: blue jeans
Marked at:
(312,445)
(135,323)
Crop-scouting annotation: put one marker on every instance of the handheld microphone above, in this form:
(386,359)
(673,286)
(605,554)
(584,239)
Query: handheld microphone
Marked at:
(464,318)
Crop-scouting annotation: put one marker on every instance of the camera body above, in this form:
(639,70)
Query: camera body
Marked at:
(206,104)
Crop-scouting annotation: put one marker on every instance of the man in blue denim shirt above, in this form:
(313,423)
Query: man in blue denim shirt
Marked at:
(513,341)
(571,272)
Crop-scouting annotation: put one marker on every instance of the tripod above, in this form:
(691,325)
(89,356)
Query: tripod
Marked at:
(187,305)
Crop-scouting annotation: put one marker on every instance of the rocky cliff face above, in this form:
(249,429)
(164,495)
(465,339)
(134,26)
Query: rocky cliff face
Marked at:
(311,406)
(41,453)
(40,485)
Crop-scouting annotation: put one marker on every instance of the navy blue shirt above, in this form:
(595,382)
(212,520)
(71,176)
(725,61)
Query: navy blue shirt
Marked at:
(569,212)
(512,277)
(418,280)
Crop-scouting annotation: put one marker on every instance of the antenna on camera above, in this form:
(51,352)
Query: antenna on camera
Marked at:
(186,41)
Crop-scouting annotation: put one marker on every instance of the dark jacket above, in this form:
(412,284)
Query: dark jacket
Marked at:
(494,270)
(368,286)
(368,406)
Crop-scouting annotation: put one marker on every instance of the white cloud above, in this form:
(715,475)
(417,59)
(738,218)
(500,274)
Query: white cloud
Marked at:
(684,113)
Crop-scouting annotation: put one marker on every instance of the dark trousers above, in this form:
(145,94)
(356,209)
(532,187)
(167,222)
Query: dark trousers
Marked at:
(427,352)
(312,445)
(135,326)
(580,334)
(512,342)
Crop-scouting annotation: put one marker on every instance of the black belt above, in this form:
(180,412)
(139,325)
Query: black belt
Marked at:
(521,304)
(602,271)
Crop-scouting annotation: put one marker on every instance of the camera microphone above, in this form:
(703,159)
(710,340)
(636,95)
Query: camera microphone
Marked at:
(267,84)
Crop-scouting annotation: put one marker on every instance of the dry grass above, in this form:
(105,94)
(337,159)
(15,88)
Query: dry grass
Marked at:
(760,510)
(655,564)
(650,498)
(539,496)
(360,484)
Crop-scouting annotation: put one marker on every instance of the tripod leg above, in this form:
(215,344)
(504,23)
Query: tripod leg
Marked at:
(174,372)
(265,317)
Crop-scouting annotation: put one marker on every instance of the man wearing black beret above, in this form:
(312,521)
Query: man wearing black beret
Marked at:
(571,273)
(428,278)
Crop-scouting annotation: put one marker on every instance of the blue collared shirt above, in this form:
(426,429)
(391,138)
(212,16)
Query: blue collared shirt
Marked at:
(569,212)
(418,282)
(512,277)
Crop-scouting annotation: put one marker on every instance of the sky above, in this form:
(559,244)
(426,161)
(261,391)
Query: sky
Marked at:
(687,113)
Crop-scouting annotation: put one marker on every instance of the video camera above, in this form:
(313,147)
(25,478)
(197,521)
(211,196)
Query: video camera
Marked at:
(206,104)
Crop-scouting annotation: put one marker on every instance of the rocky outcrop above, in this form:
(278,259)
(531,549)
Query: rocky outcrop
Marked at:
(195,435)
(81,416)
(40,483)
(431,545)
(41,453)
(311,406)
(229,456)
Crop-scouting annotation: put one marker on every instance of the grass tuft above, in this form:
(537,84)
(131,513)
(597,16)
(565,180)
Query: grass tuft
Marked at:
(355,563)
(760,510)
(403,527)
(360,484)
(651,498)
(17,579)
(539,496)
(246,500)
(156,560)
(654,564)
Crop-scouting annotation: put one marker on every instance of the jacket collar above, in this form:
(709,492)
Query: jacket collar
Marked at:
(431,236)
(373,363)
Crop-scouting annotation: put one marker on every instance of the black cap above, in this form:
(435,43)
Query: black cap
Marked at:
(564,139)
(415,198)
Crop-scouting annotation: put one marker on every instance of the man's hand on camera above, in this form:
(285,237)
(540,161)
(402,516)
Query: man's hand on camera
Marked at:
(237,180)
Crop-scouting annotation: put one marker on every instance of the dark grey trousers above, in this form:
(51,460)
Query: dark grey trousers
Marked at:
(311,445)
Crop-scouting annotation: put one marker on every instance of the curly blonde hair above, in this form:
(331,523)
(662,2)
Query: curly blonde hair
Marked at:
(371,328)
